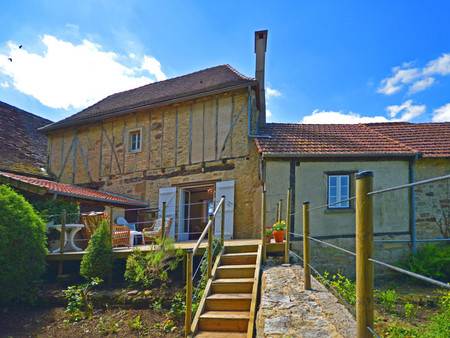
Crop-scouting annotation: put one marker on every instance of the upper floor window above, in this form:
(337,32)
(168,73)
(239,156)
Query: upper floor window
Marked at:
(134,140)
(338,190)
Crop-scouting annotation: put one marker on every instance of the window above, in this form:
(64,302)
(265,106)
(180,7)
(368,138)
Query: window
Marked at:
(338,190)
(134,140)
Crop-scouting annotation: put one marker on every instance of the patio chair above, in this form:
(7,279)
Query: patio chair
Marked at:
(92,220)
(150,234)
(134,235)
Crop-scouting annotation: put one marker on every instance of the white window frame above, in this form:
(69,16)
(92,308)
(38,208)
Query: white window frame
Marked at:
(131,132)
(332,198)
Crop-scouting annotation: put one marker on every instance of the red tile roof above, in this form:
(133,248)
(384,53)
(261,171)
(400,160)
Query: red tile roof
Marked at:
(22,149)
(327,140)
(160,93)
(430,139)
(69,190)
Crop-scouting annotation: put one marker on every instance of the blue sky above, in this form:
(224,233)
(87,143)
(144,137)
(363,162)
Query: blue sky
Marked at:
(326,61)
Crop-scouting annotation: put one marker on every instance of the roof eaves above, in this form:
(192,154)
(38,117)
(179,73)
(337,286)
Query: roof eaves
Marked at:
(285,155)
(99,199)
(60,125)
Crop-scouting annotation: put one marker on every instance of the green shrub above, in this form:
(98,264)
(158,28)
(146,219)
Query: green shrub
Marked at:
(22,246)
(52,210)
(432,261)
(99,259)
(143,269)
(78,305)
(388,299)
(344,286)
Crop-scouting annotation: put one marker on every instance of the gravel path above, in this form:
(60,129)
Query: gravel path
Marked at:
(287,310)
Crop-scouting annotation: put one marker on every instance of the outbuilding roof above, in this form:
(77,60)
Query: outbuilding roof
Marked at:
(42,187)
(380,139)
(204,82)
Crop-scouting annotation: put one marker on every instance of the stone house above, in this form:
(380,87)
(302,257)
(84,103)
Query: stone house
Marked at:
(185,141)
(319,162)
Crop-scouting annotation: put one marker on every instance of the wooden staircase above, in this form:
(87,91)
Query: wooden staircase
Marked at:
(228,306)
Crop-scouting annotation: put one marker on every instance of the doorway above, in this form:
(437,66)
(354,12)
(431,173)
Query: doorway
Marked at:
(196,204)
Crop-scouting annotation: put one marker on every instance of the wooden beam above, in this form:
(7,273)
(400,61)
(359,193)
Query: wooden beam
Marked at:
(176,136)
(84,159)
(101,154)
(74,163)
(112,149)
(149,139)
(65,161)
(190,137)
(162,139)
(230,132)
(217,129)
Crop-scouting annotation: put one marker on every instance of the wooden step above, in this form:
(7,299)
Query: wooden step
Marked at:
(241,248)
(236,271)
(229,302)
(238,258)
(232,285)
(224,321)
(215,334)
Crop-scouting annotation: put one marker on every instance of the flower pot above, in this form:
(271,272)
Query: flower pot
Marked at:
(279,236)
(269,238)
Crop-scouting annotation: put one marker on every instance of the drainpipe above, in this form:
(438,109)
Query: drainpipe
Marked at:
(413,203)
(250,114)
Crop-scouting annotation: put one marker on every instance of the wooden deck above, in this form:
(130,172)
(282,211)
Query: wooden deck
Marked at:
(123,252)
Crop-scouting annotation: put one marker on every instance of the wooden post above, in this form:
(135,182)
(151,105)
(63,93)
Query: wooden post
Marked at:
(111,224)
(163,220)
(280,210)
(62,241)
(277,213)
(364,251)
(188,318)
(306,250)
(288,227)
(263,225)
(222,223)
(210,248)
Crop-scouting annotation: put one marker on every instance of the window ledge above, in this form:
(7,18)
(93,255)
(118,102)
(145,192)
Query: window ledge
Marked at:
(340,211)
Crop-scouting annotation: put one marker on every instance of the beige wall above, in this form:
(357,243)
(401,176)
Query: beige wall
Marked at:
(391,210)
(197,141)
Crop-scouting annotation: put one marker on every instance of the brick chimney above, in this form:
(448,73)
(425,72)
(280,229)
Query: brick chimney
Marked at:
(260,50)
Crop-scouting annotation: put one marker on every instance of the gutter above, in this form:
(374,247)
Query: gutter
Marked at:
(338,155)
(249,117)
(413,203)
(51,127)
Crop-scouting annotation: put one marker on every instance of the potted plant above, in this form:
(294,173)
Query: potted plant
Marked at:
(279,230)
(269,234)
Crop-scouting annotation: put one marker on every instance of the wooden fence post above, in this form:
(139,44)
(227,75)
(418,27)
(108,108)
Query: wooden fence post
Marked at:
(263,225)
(288,227)
(364,251)
(277,213)
(222,223)
(210,248)
(111,224)
(306,249)
(163,220)
(279,210)
(188,318)
(62,241)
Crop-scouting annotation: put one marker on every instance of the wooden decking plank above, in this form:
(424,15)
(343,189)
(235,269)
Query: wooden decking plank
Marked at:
(226,315)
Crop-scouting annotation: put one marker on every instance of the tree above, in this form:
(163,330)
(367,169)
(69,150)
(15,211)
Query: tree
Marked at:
(22,246)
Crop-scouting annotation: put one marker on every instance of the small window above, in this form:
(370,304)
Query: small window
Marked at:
(338,190)
(135,140)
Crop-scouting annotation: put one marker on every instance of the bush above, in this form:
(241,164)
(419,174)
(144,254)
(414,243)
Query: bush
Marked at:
(22,246)
(99,259)
(431,261)
(143,269)
(52,210)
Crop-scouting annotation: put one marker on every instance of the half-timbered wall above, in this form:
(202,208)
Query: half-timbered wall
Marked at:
(195,141)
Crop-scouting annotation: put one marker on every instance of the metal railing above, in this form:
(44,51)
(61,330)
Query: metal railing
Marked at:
(190,259)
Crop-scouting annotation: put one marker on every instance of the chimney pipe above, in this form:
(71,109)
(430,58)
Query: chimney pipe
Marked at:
(260,50)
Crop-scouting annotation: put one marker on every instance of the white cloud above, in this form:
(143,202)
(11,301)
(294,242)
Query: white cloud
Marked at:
(420,85)
(393,84)
(272,93)
(418,79)
(69,75)
(407,109)
(153,67)
(268,113)
(439,66)
(337,117)
(4,84)
(442,114)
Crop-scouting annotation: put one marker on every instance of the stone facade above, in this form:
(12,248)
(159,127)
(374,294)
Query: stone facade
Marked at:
(196,141)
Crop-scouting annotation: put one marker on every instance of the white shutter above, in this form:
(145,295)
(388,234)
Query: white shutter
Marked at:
(168,195)
(225,189)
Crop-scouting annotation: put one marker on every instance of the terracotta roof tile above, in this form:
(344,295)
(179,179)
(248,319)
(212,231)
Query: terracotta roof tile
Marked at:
(22,149)
(159,93)
(73,191)
(430,139)
(327,139)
